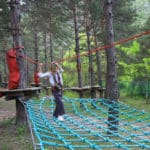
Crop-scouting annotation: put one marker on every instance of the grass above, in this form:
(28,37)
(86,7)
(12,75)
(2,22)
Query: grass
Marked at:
(13,137)
(137,102)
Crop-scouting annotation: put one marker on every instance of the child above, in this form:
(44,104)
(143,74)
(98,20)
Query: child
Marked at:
(56,82)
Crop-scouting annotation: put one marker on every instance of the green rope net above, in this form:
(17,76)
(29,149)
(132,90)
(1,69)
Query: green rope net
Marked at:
(87,127)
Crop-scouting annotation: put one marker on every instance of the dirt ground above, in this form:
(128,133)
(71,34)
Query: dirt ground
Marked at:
(7,109)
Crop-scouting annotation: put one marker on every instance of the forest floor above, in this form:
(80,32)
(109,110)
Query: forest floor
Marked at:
(11,136)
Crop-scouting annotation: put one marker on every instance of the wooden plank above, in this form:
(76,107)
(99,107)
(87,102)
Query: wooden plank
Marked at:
(88,88)
(85,88)
(19,90)
(35,85)
(15,93)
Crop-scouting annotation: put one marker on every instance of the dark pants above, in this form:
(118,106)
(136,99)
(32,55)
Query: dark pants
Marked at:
(59,110)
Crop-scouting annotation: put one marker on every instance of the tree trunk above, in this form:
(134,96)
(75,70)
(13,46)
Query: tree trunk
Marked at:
(45,58)
(91,71)
(5,72)
(51,47)
(98,60)
(21,118)
(111,79)
(17,43)
(35,49)
(5,79)
(50,33)
(45,50)
(77,49)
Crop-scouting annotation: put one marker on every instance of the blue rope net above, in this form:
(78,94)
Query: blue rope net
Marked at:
(87,127)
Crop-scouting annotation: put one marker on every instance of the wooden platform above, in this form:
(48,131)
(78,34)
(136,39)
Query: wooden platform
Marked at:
(87,88)
(44,87)
(13,94)
(35,85)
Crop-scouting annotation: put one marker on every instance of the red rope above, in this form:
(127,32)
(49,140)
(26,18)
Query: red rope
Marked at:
(96,49)
(107,46)
(30,60)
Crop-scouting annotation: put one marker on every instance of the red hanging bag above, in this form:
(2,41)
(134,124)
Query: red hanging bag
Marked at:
(13,67)
(36,78)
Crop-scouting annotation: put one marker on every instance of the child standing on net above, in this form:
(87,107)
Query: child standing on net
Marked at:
(56,82)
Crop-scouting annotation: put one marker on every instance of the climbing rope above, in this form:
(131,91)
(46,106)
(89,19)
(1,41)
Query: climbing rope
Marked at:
(87,127)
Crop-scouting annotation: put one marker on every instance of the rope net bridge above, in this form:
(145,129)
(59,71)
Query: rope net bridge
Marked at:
(87,127)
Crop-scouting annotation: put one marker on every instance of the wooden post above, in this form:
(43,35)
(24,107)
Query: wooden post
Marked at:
(17,44)
(20,113)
